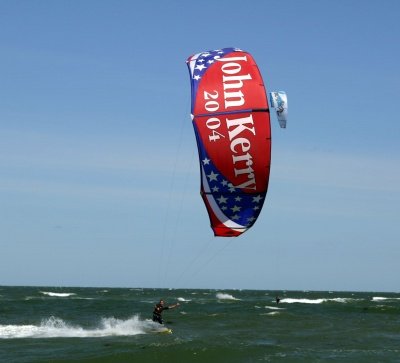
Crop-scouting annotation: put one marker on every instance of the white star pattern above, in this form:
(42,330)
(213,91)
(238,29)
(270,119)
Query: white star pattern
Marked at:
(235,209)
(213,176)
(200,67)
(236,205)
(222,199)
(209,58)
(257,199)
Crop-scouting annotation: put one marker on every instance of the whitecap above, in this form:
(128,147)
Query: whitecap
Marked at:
(54,327)
(57,294)
(222,296)
(343,299)
(273,313)
(270,313)
(302,301)
(183,299)
(274,308)
(381,298)
(316,301)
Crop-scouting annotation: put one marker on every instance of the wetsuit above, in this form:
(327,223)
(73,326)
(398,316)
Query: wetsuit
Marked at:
(158,309)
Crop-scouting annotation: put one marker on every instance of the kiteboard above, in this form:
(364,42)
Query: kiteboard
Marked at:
(164,331)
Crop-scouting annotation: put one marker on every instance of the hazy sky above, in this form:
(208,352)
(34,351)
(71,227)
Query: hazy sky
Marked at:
(99,177)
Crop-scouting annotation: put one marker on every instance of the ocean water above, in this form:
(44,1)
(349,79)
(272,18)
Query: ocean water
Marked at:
(60,324)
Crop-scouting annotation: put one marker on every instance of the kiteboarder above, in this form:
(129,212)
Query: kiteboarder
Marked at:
(277,300)
(159,308)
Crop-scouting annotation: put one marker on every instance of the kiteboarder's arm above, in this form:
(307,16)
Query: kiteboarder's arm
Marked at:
(173,306)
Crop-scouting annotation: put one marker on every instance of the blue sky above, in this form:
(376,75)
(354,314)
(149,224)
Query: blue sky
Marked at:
(99,180)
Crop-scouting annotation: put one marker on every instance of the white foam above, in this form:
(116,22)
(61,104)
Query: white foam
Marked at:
(316,301)
(302,301)
(380,298)
(54,327)
(183,299)
(343,299)
(222,296)
(57,294)
(274,308)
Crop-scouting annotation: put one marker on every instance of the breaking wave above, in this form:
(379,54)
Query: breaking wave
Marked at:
(221,296)
(58,294)
(380,298)
(316,301)
(273,308)
(54,327)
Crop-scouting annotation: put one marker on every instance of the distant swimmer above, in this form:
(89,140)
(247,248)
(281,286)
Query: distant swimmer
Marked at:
(159,308)
(277,300)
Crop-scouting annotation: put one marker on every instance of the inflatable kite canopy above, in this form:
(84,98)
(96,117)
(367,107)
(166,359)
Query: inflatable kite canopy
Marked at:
(231,120)
(279,102)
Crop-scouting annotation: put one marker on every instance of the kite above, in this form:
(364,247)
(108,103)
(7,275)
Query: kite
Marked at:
(231,120)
